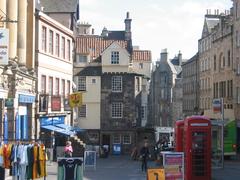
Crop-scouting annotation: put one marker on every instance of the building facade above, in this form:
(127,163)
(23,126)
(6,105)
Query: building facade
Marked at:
(190,83)
(162,83)
(17,89)
(119,74)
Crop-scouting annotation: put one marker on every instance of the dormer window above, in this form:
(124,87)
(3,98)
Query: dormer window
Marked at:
(114,57)
(81,58)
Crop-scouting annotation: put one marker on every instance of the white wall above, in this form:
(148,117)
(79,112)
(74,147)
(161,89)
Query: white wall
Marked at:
(124,59)
(92,99)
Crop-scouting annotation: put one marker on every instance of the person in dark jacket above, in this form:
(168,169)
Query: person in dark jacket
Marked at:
(144,154)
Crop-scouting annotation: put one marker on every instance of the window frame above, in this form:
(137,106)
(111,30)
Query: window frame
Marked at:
(115,57)
(117,110)
(117,84)
(57,43)
(63,54)
(81,83)
(44,38)
(82,111)
(50,85)
(50,42)
(119,139)
(124,140)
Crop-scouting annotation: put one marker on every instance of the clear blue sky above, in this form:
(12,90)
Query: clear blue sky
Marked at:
(156,24)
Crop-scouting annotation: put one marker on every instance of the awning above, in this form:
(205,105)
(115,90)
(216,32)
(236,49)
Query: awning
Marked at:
(59,130)
(69,128)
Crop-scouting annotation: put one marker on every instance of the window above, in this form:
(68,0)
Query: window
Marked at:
(50,85)
(143,112)
(50,42)
(126,139)
(93,81)
(68,87)
(229,58)
(81,83)
(238,95)
(63,88)
(117,83)
(82,111)
(57,86)
(140,65)
(63,48)
(68,50)
(44,39)
(117,110)
(81,58)
(137,84)
(115,57)
(57,45)
(116,139)
(43,84)
(214,63)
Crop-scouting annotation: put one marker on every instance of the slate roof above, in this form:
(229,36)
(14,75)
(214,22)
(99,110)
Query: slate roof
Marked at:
(94,45)
(61,6)
(116,35)
(141,55)
(90,71)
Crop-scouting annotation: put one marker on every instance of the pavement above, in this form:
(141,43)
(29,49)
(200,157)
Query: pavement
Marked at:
(123,168)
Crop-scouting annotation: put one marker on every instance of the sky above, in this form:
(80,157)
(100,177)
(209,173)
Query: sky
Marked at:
(156,24)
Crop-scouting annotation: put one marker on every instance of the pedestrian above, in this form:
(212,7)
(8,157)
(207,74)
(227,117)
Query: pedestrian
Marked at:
(68,150)
(144,154)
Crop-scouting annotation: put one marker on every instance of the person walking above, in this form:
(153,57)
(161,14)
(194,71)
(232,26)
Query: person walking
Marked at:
(144,154)
(68,150)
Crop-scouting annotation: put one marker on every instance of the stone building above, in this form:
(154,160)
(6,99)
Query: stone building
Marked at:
(17,90)
(111,74)
(162,84)
(190,83)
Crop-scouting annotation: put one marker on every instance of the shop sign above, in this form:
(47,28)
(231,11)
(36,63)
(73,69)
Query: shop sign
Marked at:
(75,99)
(43,103)
(45,121)
(173,163)
(26,98)
(4,45)
(66,105)
(56,103)
(9,102)
(155,173)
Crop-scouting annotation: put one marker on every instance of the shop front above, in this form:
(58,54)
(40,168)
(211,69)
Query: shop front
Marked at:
(23,116)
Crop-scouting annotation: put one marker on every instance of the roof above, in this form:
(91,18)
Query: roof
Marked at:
(90,71)
(61,6)
(116,35)
(141,55)
(94,45)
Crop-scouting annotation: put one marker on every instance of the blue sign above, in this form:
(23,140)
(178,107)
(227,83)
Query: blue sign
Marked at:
(90,159)
(26,99)
(45,121)
(116,149)
(5,127)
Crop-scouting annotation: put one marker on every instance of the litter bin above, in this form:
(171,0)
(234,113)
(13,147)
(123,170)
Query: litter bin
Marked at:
(116,149)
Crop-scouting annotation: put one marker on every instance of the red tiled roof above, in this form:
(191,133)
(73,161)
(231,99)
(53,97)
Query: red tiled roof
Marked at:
(94,45)
(141,55)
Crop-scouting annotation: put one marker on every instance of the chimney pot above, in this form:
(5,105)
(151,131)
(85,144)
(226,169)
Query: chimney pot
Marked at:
(127,15)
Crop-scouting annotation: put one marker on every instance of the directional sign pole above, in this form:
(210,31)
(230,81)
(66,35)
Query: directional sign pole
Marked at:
(222,114)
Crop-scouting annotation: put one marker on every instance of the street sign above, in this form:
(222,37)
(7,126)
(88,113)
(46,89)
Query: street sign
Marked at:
(4,45)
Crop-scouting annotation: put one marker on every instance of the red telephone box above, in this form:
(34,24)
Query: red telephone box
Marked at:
(179,135)
(197,148)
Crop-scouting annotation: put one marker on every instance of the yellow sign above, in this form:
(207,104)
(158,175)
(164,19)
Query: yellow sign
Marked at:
(75,99)
(155,174)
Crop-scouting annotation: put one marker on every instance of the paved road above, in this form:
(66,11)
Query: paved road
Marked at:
(122,168)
